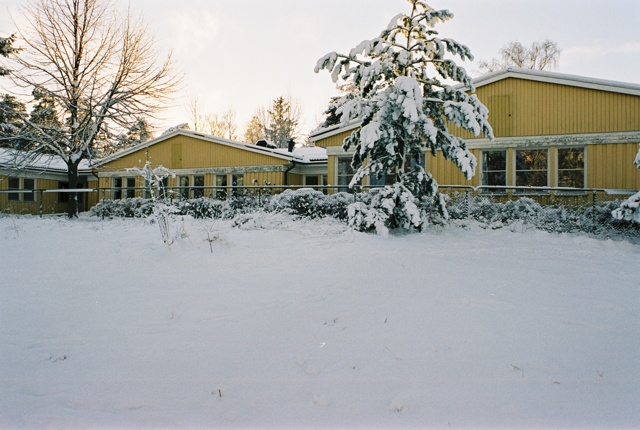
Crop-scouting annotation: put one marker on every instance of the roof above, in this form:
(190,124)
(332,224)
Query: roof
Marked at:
(323,133)
(558,78)
(14,159)
(511,72)
(301,155)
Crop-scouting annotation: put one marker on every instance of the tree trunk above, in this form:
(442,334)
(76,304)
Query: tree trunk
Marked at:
(72,174)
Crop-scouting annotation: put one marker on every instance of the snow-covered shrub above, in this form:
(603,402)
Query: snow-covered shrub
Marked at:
(304,202)
(629,210)
(393,206)
(203,207)
(126,208)
(337,205)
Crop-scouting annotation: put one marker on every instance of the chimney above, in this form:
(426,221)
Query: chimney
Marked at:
(292,144)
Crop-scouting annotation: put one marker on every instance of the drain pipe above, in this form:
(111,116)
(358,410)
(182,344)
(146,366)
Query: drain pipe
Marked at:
(286,172)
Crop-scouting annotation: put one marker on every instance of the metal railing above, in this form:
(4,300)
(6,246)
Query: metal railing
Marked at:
(480,203)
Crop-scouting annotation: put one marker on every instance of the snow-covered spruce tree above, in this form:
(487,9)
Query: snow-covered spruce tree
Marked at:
(629,210)
(404,93)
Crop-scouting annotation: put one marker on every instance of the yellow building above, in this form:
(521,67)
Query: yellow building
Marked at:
(203,165)
(200,165)
(39,187)
(551,130)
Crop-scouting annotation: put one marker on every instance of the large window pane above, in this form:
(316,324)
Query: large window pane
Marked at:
(131,188)
(183,184)
(221,181)
(14,184)
(531,168)
(345,173)
(29,184)
(117,188)
(494,168)
(571,167)
(198,186)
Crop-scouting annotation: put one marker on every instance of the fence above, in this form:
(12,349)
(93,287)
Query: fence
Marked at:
(550,208)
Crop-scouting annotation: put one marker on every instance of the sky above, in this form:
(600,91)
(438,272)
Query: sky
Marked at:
(242,54)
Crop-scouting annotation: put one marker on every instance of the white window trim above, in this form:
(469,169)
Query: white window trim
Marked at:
(22,188)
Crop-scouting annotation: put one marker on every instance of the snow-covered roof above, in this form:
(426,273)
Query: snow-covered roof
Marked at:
(306,154)
(14,159)
(324,132)
(297,155)
(558,78)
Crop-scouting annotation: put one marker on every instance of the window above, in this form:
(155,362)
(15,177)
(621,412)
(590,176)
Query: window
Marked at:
(571,167)
(14,184)
(494,168)
(117,188)
(63,197)
(183,186)
(221,182)
(29,184)
(164,184)
(237,181)
(311,180)
(531,168)
(345,173)
(23,184)
(130,190)
(386,179)
(198,187)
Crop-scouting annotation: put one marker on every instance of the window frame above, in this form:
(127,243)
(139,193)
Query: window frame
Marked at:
(485,172)
(583,169)
(26,195)
(348,176)
(516,170)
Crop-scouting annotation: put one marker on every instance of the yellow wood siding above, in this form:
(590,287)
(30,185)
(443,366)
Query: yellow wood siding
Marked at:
(294,179)
(50,202)
(611,166)
(185,152)
(519,107)
(447,173)
(336,140)
(263,178)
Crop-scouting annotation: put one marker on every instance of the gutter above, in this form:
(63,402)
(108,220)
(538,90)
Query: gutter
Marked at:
(286,172)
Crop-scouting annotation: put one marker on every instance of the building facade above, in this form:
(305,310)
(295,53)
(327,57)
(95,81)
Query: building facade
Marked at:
(551,130)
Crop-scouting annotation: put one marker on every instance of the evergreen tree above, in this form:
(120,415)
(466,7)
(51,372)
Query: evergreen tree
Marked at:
(6,49)
(255,130)
(283,120)
(11,123)
(401,96)
(11,108)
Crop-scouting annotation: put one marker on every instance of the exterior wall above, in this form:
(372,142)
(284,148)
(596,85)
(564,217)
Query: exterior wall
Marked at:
(336,140)
(186,152)
(529,114)
(519,107)
(611,166)
(447,173)
(50,201)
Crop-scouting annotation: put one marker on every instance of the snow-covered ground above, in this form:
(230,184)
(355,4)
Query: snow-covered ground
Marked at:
(288,324)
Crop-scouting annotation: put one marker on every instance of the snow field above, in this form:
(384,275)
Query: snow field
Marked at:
(288,323)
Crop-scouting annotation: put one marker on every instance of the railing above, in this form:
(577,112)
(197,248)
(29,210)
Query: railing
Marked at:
(466,198)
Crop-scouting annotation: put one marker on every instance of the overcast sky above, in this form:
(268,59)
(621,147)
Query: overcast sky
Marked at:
(245,53)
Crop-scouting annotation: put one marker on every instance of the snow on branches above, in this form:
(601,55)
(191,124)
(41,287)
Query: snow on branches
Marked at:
(402,89)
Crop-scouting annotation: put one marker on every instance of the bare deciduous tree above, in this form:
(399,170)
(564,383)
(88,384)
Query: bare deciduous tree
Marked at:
(195,114)
(223,125)
(540,56)
(99,68)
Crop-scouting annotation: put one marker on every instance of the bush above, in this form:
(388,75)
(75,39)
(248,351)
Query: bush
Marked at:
(383,209)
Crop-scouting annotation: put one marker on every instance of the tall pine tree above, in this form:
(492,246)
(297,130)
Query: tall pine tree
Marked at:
(402,95)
